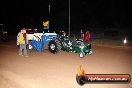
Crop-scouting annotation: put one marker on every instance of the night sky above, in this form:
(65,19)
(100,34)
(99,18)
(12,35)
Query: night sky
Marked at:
(16,14)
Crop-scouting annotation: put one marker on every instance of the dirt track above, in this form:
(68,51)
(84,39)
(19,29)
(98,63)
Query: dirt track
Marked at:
(46,70)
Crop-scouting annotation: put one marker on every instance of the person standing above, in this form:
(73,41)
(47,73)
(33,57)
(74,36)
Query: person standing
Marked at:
(87,37)
(87,41)
(82,35)
(22,40)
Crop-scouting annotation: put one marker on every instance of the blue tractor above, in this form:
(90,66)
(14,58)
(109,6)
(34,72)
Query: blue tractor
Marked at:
(37,41)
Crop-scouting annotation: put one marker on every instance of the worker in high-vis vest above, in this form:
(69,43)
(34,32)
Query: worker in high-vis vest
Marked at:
(22,41)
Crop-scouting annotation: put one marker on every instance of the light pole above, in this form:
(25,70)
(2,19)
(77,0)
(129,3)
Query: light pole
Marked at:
(69,18)
(49,19)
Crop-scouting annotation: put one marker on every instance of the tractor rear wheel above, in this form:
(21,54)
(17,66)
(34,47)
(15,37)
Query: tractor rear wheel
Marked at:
(53,47)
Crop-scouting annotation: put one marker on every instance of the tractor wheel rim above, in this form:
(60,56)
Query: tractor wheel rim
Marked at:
(30,47)
(52,46)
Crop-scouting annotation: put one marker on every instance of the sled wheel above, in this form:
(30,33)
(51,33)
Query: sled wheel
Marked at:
(90,52)
(81,55)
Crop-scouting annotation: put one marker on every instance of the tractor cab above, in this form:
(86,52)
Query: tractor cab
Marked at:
(35,34)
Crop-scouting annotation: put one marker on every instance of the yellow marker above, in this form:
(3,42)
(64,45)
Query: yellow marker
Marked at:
(46,23)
